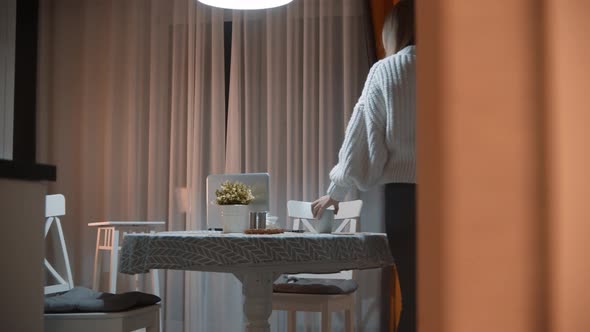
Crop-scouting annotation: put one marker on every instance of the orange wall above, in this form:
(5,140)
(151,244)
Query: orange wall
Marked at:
(568,68)
(503,189)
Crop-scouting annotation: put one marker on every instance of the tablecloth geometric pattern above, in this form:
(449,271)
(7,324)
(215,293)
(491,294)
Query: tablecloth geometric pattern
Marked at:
(215,251)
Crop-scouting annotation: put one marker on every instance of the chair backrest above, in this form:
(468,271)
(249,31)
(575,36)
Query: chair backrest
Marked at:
(348,215)
(259,182)
(55,206)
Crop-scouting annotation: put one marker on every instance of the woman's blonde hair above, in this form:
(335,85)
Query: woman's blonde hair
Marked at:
(398,27)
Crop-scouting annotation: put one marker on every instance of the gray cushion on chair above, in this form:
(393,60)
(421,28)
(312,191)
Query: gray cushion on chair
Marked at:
(80,299)
(292,284)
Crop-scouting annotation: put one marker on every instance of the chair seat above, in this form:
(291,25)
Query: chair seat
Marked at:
(146,318)
(290,284)
(80,299)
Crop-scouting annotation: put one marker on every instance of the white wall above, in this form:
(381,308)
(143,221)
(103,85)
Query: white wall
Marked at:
(7,47)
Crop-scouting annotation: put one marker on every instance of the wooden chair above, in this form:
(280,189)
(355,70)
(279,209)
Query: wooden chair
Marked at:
(325,303)
(144,317)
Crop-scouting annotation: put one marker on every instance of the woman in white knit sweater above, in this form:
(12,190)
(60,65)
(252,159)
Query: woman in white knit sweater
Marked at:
(379,148)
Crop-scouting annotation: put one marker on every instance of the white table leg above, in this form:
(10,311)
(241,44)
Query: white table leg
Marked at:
(155,278)
(257,289)
(156,289)
(97,263)
(114,262)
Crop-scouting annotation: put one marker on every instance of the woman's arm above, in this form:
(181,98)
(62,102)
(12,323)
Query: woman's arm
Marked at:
(364,151)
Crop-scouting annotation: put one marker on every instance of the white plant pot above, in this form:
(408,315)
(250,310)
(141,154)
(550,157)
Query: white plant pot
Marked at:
(234,218)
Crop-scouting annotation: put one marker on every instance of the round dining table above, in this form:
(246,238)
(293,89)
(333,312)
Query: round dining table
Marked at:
(256,260)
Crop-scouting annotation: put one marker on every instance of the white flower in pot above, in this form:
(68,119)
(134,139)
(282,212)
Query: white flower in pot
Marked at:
(233,199)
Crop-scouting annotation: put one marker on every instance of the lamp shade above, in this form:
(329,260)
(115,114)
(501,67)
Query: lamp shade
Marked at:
(245,4)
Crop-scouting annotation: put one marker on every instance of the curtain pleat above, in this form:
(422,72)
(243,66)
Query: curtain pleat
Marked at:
(132,112)
(296,74)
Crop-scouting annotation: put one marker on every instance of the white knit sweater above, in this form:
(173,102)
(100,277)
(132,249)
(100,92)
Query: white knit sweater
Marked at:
(379,144)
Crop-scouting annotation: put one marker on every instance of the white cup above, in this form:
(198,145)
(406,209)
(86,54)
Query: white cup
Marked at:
(324,224)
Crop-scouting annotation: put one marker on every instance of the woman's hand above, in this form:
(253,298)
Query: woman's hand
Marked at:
(319,205)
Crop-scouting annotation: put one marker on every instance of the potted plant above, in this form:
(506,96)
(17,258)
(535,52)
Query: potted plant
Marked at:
(233,199)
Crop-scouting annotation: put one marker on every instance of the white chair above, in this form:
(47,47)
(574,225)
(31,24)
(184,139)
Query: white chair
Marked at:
(55,206)
(145,317)
(348,215)
(109,237)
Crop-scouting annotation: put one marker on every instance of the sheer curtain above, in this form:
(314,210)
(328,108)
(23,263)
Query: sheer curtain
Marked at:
(296,74)
(132,112)
(131,109)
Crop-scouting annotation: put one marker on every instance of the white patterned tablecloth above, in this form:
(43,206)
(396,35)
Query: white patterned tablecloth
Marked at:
(284,253)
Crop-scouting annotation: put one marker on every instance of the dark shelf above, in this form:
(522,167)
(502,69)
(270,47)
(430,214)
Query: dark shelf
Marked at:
(11,169)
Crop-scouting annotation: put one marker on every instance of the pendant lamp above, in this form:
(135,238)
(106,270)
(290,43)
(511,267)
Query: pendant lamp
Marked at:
(245,4)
